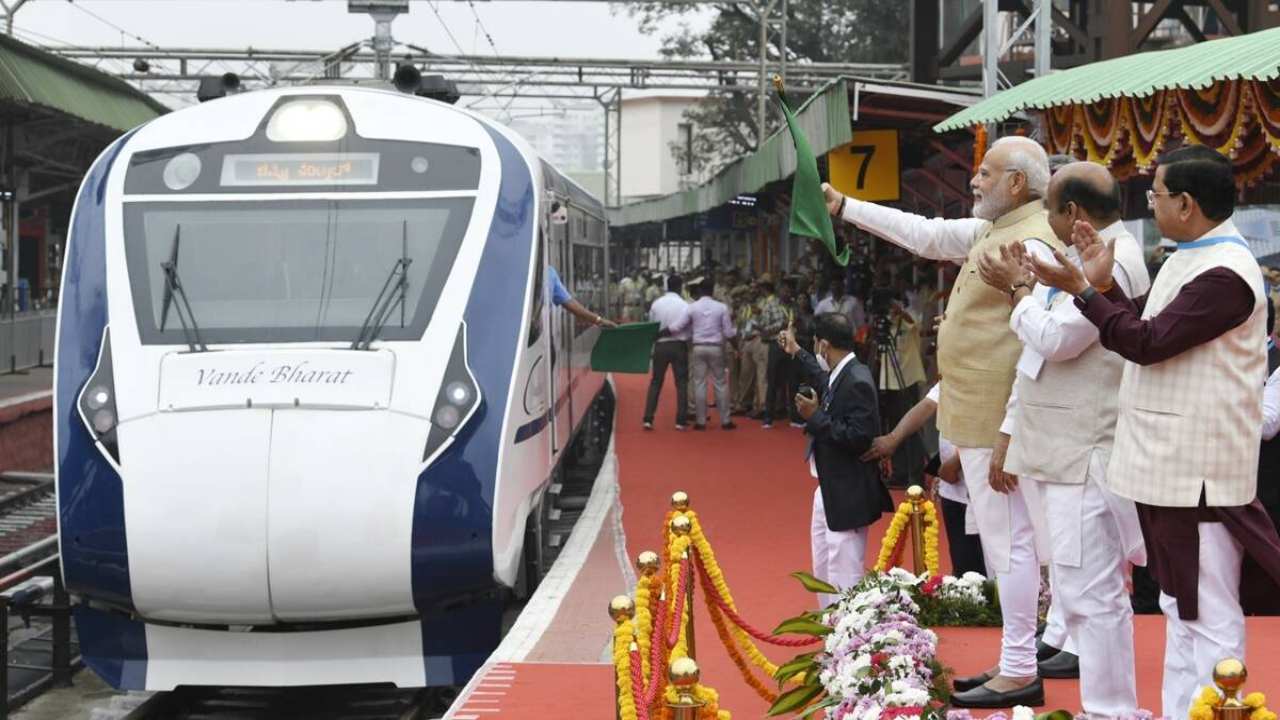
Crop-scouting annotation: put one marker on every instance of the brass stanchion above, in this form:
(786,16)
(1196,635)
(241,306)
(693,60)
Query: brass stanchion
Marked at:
(1229,675)
(621,609)
(684,675)
(682,525)
(915,494)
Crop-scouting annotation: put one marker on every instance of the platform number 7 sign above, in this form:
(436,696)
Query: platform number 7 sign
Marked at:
(867,167)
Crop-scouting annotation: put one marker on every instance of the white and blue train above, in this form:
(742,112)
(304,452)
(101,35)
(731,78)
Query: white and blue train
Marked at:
(309,388)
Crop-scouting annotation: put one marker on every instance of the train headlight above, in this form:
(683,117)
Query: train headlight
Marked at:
(97,402)
(97,397)
(181,171)
(457,401)
(308,120)
(458,393)
(103,421)
(447,417)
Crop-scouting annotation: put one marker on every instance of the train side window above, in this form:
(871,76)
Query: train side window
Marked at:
(535,307)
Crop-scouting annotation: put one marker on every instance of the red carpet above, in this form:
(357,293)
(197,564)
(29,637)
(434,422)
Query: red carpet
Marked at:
(753,493)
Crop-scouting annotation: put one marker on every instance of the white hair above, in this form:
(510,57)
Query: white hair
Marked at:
(1029,158)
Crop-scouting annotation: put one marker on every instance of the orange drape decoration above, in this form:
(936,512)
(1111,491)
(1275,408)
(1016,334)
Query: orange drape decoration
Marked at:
(1239,118)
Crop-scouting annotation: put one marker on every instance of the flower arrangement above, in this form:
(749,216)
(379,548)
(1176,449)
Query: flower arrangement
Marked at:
(970,600)
(877,661)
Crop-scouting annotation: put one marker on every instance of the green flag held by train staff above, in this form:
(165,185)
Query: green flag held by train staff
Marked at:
(809,216)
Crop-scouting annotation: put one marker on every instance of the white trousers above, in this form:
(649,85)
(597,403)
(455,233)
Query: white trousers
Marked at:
(1088,589)
(1193,647)
(838,555)
(1006,520)
(1055,628)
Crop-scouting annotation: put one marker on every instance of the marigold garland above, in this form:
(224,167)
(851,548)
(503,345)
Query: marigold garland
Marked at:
(622,635)
(894,536)
(644,621)
(708,556)
(1206,704)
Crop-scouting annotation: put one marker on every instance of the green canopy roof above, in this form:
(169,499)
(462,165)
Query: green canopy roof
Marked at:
(1255,56)
(33,77)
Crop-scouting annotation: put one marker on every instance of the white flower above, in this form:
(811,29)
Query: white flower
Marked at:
(1022,712)
(975,579)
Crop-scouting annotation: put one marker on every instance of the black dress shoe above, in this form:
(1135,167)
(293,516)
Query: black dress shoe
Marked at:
(983,697)
(1044,651)
(971,682)
(1060,666)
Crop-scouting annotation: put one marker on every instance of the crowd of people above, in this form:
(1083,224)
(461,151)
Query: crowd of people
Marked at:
(1097,411)
(719,328)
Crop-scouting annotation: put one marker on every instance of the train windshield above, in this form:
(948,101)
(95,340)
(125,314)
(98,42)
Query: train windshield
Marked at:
(290,271)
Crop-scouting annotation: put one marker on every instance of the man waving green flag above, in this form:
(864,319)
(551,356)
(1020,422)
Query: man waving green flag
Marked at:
(809,216)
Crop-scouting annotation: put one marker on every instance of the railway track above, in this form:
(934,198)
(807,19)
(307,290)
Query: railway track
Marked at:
(39,651)
(344,702)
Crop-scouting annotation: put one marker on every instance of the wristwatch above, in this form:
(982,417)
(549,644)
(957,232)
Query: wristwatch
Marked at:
(1087,293)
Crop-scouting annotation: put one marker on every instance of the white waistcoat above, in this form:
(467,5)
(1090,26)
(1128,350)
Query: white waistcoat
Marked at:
(1195,420)
(1069,410)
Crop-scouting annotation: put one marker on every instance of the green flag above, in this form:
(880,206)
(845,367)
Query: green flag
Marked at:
(809,216)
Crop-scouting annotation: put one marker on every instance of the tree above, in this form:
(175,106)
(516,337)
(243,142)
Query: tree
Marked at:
(849,31)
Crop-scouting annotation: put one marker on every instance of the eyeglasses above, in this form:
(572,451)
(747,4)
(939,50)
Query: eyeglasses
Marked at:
(1151,196)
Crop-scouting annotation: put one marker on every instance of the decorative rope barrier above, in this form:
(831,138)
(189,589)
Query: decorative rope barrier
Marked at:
(655,632)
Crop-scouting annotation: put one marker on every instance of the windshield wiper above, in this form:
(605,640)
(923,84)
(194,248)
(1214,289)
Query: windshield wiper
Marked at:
(173,287)
(394,290)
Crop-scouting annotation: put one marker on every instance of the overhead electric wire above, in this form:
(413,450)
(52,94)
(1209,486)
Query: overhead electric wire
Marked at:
(105,21)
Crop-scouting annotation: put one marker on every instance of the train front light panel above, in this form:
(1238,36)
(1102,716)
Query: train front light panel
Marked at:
(181,171)
(457,401)
(97,402)
(308,120)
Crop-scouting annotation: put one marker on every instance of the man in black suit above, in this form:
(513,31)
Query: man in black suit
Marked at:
(841,419)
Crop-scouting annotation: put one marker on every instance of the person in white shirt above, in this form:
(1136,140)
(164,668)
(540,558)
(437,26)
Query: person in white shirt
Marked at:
(837,300)
(711,326)
(1061,420)
(671,350)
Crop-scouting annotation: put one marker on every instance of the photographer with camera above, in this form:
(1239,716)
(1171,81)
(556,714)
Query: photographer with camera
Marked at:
(900,374)
(841,420)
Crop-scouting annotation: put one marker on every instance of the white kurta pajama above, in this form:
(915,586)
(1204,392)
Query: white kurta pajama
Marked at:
(1012,525)
(839,556)
(1093,532)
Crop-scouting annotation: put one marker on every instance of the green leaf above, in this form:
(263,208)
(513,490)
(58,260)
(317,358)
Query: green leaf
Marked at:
(793,700)
(801,626)
(813,584)
(829,702)
(1054,715)
(802,663)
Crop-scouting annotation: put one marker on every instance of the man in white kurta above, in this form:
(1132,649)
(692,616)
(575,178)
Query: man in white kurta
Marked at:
(1061,417)
(977,353)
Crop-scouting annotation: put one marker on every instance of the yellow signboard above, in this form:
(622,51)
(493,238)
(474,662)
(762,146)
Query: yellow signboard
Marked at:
(867,168)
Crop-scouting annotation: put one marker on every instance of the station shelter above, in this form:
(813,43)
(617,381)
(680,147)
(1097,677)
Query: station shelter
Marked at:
(1125,112)
(874,140)
(56,117)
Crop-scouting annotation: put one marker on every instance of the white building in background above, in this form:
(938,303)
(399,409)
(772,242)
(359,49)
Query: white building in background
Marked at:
(652,122)
(572,141)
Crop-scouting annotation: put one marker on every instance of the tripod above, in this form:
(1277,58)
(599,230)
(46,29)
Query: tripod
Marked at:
(887,361)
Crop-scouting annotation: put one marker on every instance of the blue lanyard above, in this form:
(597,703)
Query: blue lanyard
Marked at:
(1052,293)
(1209,241)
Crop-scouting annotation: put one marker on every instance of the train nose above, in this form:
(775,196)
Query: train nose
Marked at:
(196,515)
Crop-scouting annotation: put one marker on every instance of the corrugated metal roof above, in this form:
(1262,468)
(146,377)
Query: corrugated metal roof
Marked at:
(1255,56)
(826,122)
(30,76)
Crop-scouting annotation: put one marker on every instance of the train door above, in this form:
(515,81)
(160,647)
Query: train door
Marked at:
(561,328)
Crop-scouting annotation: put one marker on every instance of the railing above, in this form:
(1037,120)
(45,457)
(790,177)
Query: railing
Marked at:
(26,340)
